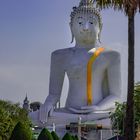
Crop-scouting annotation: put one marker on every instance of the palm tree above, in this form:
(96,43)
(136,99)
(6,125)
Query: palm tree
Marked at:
(129,7)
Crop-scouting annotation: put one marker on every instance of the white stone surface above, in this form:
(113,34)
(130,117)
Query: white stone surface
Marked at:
(106,85)
(64,117)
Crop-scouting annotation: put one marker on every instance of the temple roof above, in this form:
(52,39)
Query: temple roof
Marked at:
(26,99)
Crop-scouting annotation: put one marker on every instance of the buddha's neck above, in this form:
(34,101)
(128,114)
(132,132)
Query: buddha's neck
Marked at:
(87,46)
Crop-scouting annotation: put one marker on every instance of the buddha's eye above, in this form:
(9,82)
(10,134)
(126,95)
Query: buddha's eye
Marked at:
(91,22)
(80,23)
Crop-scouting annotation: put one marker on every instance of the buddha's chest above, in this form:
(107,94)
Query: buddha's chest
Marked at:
(77,63)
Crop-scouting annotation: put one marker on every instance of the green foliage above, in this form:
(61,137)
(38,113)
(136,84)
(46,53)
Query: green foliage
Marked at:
(137,103)
(76,137)
(21,132)
(54,135)
(117,117)
(35,106)
(10,115)
(73,137)
(5,124)
(67,136)
(45,135)
(120,5)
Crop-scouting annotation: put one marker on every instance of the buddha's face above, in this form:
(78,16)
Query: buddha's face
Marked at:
(85,28)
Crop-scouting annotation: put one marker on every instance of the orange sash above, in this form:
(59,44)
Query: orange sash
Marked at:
(89,74)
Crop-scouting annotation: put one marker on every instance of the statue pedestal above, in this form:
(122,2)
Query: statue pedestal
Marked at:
(89,129)
(64,117)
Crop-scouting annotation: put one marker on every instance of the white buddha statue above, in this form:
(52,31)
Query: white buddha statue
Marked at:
(93,73)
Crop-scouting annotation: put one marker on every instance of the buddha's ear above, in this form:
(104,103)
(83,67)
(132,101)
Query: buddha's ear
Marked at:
(71,33)
(99,34)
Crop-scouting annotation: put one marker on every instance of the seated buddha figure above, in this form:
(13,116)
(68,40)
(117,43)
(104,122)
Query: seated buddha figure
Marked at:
(93,72)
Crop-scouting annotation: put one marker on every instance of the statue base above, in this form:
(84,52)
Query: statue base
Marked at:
(63,117)
(90,130)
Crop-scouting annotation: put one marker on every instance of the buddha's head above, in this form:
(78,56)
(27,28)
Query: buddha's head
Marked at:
(85,23)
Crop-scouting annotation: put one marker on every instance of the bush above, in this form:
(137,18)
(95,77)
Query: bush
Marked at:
(73,137)
(117,117)
(10,115)
(76,137)
(137,104)
(21,132)
(45,135)
(54,135)
(67,136)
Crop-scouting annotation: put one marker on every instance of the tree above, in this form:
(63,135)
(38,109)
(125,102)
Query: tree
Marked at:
(76,137)
(10,115)
(137,104)
(5,124)
(35,106)
(21,132)
(45,135)
(54,135)
(138,134)
(129,7)
(67,136)
(117,117)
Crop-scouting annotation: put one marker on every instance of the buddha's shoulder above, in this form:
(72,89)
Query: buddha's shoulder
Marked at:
(111,53)
(63,51)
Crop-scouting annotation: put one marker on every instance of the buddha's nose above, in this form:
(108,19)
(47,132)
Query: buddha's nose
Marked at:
(86,26)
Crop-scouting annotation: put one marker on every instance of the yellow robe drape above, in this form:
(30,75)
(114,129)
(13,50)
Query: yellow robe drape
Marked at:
(89,74)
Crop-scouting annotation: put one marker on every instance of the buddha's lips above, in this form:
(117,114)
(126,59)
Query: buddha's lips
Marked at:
(85,32)
(87,41)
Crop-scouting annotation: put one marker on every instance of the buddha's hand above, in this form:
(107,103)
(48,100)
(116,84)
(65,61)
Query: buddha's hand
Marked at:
(92,107)
(44,112)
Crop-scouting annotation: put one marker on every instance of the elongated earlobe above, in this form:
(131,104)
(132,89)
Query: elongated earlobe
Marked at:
(72,38)
(71,33)
(99,37)
(99,34)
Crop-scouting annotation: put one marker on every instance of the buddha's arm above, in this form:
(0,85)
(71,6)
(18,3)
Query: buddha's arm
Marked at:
(56,78)
(55,87)
(114,83)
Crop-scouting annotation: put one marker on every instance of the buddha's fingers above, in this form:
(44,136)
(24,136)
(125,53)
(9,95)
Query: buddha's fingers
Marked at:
(94,108)
(80,111)
(51,112)
(43,114)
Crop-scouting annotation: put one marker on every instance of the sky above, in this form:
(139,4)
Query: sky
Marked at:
(31,29)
